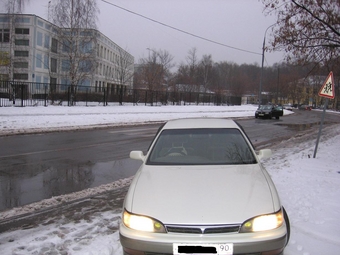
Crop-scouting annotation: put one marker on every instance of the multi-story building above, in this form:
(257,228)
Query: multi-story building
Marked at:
(32,50)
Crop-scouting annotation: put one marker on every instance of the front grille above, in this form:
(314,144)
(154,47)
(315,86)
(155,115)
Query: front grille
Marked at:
(214,229)
(187,230)
(153,253)
(228,229)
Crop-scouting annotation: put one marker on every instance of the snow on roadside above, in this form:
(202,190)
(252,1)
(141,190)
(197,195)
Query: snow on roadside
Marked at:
(14,120)
(95,236)
(309,189)
(62,199)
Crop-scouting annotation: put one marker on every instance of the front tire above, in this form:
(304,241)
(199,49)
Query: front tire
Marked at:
(285,216)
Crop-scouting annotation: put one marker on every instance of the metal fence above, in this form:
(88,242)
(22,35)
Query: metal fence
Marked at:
(42,94)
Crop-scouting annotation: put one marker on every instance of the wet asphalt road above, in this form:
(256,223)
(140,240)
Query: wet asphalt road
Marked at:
(35,167)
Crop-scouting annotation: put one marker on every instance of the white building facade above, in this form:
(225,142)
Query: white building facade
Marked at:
(30,51)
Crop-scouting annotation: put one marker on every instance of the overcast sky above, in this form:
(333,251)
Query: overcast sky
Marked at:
(236,23)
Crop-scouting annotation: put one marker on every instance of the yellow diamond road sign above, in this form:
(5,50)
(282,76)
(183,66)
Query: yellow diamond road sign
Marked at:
(327,89)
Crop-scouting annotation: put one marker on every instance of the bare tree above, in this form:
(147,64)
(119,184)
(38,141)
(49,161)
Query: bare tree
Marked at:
(187,73)
(192,62)
(222,74)
(152,71)
(307,30)
(166,62)
(205,71)
(156,69)
(15,6)
(76,20)
(123,71)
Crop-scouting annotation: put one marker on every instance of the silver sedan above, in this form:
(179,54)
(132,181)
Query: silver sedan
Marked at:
(201,189)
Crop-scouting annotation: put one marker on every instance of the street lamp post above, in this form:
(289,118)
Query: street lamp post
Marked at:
(48,10)
(263,49)
(155,52)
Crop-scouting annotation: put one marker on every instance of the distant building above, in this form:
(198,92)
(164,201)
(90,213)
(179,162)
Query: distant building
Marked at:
(30,51)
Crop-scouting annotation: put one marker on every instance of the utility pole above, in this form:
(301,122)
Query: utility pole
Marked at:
(263,49)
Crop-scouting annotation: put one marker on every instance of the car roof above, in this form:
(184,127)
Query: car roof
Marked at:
(190,123)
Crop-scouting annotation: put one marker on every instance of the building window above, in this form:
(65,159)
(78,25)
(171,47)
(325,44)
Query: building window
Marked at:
(68,46)
(40,23)
(20,76)
(4,58)
(23,42)
(4,19)
(39,39)
(86,47)
(47,41)
(4,77)
(21,53)
(46,62)
(4,35)
(65,65)
(54,46)
(53,65)
(22,20)
(85,66)
(38,78)
(22,31)
(20,64)
(39,61)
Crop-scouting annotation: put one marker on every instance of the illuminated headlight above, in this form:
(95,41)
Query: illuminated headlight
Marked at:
(263,222)
(142,223)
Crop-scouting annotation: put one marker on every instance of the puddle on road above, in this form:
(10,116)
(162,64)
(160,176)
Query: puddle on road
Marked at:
(59,180)
(299,127)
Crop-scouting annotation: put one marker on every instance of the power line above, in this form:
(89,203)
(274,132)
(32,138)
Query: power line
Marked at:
(180,30)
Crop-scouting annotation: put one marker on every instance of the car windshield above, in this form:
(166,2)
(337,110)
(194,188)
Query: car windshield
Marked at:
(207,146)
(265,107)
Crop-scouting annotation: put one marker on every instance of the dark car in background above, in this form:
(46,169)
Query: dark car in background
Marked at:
(269,111)
(305,107)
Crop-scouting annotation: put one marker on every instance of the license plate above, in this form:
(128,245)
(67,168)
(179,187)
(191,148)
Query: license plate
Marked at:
(261,114)
(211,249)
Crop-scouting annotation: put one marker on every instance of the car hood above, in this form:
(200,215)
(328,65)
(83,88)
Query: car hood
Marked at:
(202,194)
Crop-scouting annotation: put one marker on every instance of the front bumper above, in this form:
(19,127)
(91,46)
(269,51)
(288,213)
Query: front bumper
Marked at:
(263,114)
(140,243)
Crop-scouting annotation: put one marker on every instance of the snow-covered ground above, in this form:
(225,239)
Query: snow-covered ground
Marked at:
(309,187)
(36,119)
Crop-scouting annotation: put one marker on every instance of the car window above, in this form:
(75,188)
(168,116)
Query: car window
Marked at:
(201,147)
(158,130)
(265,107)
(244,132)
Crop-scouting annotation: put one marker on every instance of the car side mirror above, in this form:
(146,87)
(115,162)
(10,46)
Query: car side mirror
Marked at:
(138,155)
(264,153)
